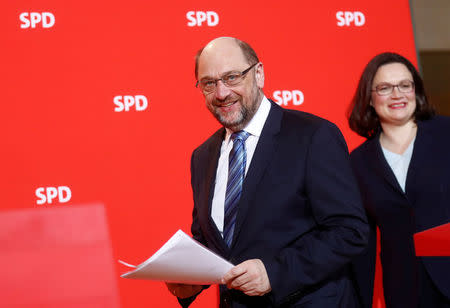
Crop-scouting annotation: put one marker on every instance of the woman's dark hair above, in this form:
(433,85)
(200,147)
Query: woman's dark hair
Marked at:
(363,119)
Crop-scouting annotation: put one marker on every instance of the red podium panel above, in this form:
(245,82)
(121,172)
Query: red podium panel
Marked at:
(57,257)
(434,242)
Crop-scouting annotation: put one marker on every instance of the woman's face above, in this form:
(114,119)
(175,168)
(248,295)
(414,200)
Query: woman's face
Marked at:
(397,107)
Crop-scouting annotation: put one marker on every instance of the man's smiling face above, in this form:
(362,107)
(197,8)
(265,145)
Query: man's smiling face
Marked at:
(232,106)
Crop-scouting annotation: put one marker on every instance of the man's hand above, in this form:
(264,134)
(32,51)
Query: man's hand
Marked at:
(250,277)
(183,290)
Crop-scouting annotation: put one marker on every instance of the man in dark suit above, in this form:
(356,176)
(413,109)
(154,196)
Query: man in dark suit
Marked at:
(295,220)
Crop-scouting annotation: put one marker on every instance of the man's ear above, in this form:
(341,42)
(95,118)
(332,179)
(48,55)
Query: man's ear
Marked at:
(259,75)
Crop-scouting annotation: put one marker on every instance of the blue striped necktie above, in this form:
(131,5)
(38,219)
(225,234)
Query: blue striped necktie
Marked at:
(236,174)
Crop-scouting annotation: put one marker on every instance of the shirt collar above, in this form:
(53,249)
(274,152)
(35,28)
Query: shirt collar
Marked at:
(256,124)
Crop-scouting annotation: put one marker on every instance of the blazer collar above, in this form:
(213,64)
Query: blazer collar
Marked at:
(380,165)
(424,139)
(211,169)
(382,168)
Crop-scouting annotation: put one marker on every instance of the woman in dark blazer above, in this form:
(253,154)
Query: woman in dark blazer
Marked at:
(403,170)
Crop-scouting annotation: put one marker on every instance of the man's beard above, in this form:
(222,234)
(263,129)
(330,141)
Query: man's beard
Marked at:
(241,117)
(235,121)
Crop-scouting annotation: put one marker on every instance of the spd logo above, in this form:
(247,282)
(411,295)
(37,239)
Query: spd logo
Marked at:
(348,18)
(286,97)
(48,194)
(34,19)
(126,102)
(197,18)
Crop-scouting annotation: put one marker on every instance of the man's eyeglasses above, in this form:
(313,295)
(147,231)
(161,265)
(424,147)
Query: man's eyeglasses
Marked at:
(230,80)
(405,86)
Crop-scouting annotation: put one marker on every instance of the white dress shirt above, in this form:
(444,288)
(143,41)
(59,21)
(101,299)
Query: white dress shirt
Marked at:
(254,128)
(399,163)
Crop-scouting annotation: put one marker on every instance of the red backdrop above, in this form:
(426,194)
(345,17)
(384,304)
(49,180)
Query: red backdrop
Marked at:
(99,103)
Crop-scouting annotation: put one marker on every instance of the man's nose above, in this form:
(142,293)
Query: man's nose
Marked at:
(222,91)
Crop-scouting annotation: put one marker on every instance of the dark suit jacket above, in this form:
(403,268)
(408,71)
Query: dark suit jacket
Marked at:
(300,212)
(399,215)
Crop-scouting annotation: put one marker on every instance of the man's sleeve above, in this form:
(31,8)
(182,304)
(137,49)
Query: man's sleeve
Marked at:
(196,233)
(363,267)
(195,227)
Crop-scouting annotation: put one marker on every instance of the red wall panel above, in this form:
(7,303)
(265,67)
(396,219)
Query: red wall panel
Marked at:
(59,83)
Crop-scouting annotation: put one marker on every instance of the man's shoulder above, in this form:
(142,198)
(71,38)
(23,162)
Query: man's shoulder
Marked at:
(212,140)
(305,121)
(364,149)
(302,118)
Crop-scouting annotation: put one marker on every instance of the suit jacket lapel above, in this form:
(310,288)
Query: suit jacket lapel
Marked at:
(211,169)
(419,156)
(380,165)
(261,158)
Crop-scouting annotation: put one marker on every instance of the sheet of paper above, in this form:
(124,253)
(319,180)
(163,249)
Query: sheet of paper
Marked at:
(183,260)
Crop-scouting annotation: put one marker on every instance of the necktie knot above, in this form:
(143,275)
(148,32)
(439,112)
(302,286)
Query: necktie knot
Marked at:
(241,135)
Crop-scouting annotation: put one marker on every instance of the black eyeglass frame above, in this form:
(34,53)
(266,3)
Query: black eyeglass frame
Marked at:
(392,86)
(241,75)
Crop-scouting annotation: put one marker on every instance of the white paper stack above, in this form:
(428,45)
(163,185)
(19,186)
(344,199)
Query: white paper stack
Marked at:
(183,260)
